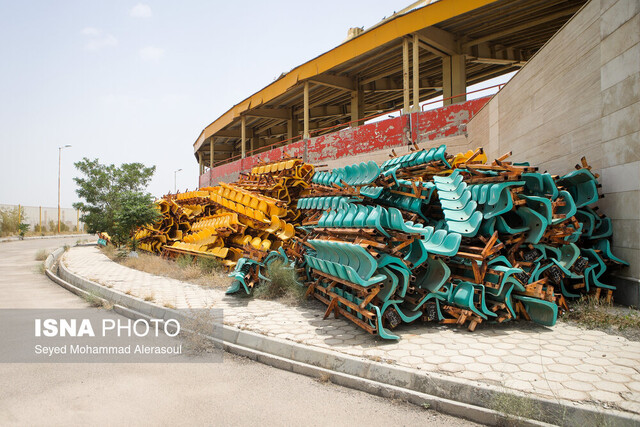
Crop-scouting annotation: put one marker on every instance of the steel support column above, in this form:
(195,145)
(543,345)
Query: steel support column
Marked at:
(357,105)
(243,136)
(454,79)
(405,76)
(416,74)
(305,134)
(211,153)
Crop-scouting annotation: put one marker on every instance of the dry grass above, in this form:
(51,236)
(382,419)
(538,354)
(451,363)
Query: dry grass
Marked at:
(42,255)
(185,269)
(324,378)
(40,268)
(283,285)
(150,297)
(597,314)
(96,301)
(169,305)
(109,251)
(196,331)
(514,407)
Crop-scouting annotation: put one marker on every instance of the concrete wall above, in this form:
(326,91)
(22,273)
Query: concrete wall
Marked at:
(580,96)
(372,141)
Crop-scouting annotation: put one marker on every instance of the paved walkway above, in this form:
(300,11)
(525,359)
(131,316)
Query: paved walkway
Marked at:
(563,362)
(22,285)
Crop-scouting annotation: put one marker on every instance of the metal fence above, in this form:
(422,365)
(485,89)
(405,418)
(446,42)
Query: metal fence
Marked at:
(47,218)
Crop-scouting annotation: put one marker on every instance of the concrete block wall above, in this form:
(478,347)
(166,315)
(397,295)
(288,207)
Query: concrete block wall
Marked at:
(580,96)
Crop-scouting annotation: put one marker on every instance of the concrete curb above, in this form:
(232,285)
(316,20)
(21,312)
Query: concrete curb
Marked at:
(57,236)
(453,396)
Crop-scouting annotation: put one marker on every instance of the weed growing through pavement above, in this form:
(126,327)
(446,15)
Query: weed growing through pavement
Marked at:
(598,314)
(282,284)
(324,378)
(40,268)
(96,301)
(514,407)
(42,255)
(196,333)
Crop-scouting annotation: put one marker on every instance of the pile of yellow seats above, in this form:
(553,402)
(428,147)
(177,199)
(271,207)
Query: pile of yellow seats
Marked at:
(247,218)
(223,220)
(192,195)
(276,167)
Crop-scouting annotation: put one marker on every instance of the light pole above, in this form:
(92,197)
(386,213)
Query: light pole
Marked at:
(59,162)
(175,173)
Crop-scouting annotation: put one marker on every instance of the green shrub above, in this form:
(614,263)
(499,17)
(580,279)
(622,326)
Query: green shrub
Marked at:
(11,221)
(53,226)
(282,283)
(184,261)
(209,265)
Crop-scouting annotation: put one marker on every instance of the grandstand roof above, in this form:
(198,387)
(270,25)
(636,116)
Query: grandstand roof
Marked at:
(494,36)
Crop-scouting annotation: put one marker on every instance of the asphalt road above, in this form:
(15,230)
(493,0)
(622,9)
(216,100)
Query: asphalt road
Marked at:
(235,392)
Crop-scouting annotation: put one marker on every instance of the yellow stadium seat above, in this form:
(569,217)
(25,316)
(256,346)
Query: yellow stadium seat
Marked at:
(254,203)
(256,242)
(275,224)
(259,216)
(265,245)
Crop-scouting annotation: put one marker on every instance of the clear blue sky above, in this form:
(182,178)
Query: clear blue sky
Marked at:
(124,81)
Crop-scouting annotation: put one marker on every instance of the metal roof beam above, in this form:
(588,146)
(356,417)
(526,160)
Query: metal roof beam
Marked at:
(329,111)
(486,53)
(393,85)
(336,82)
(227,134)
(497,61)
(269,113)
(439,41)
(522,27)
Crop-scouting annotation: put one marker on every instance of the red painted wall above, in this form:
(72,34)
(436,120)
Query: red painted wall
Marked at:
(363,139)
(427,125)
(446,121)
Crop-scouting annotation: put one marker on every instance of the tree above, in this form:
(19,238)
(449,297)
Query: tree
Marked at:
(109,192)
(136,209)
